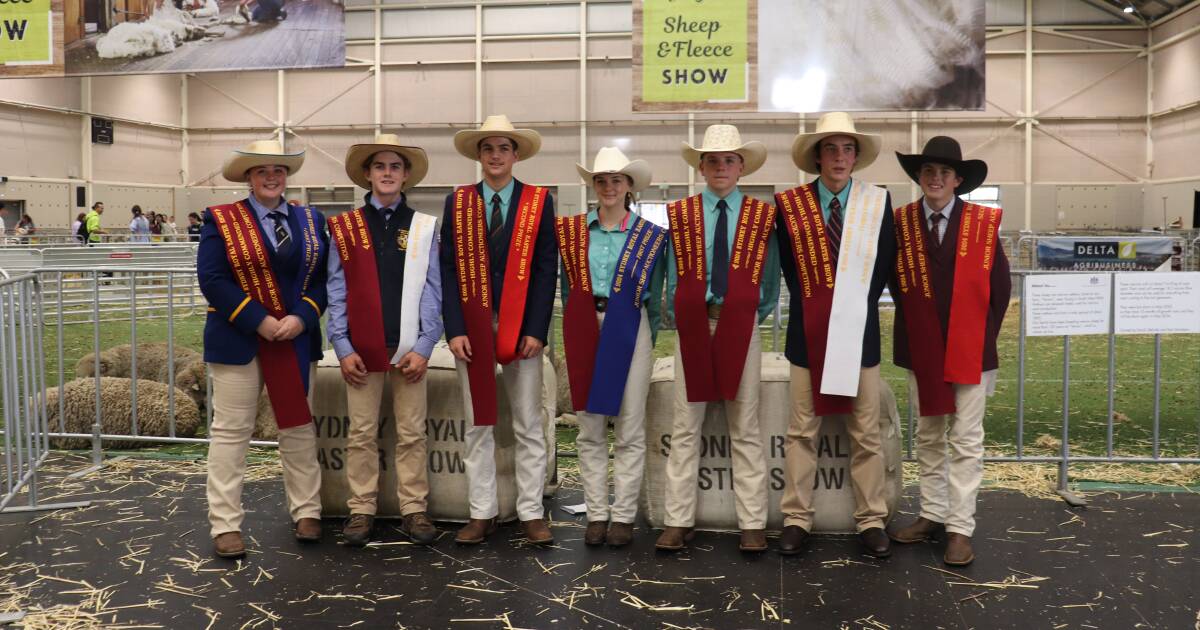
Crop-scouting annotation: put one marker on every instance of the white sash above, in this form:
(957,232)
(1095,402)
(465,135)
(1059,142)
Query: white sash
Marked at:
(416,266)
(852,283)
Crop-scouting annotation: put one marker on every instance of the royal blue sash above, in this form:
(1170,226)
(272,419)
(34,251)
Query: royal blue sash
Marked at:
(623,317)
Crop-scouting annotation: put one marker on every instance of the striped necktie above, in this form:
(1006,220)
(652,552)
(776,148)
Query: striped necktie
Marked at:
(833,228)
(935,226)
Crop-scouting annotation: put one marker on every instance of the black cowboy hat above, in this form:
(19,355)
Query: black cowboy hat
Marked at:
(945,150)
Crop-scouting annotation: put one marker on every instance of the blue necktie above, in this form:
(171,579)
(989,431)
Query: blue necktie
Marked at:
(720,258)
(283,240)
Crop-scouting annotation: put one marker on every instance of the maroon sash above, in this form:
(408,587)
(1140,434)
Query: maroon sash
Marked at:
(713,364)
(252,268)
(581,332)
(364,306)
(816,272)
(956,356)
(475,289)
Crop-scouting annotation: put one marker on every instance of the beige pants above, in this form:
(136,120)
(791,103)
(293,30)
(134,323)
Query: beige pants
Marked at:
(362,445)
(746,442)
(866,453)
(950,481)
(522,381)
(629,427)
(235,404)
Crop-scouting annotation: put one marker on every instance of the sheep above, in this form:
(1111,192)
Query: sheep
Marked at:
(151,361)
(116,410)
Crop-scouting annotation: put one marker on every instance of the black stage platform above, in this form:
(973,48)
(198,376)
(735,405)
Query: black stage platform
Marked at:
(140,557)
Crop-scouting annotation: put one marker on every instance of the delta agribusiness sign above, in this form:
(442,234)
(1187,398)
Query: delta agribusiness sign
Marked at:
(1107,254)
(26,32)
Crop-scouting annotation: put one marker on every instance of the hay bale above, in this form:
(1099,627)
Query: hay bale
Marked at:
(116,411)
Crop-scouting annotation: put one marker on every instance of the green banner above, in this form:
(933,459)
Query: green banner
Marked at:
(25,32)
(695,51)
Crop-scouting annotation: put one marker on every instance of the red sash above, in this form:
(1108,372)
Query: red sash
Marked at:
(475,289)
(816,272)
(364,306)
(581,332)
(252,268)
(942,358)
(713,365)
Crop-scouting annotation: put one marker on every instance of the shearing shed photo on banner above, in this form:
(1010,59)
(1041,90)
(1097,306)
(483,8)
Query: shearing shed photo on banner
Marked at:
(152,36)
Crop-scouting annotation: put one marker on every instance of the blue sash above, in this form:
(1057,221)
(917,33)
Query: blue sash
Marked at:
(623,317)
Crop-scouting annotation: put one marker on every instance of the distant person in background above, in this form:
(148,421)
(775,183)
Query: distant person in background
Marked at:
(25,228)
(139,227)
(2,224)
(77,224)
(193,228)
(169,228)
(263,11)
(91,230)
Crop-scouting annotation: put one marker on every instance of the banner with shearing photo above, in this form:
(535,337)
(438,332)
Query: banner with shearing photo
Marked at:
(174,36)
(31,38)
(808,55)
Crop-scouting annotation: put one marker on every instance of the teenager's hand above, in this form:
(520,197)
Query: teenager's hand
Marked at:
(460,346)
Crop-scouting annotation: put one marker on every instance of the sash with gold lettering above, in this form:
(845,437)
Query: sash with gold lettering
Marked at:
(942,358)
(475,289)
(364,306)
(599,358)
(284,364)
(713,364)
(834,288)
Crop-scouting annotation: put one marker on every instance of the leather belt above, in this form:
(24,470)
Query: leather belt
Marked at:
(601,304)
(714,311)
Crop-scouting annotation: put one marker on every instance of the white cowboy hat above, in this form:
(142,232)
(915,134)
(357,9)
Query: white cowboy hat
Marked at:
(611,160)
(721,138)
(834,124)
(357,155)
(528,141)
(260,153)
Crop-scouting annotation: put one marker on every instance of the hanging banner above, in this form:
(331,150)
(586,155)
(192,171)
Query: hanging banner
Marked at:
(808,55)
(1115,253)
(31,41)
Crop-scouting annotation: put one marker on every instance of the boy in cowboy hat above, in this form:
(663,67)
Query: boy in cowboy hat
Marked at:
(946,335)
(500,263)
(609,256)
(261,266)
(722,280)
(385,304)
(835,278)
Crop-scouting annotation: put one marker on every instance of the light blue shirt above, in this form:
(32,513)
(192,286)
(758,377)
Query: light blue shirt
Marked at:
(825,197)
(268,223)
(505,196)
(140,228)
(430,308)
(769,288)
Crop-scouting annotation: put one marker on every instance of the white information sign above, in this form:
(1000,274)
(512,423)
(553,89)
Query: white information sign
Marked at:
(1157,303)
(1067,304)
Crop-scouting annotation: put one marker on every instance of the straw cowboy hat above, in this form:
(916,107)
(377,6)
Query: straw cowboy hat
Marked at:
(358,154)
(528,141)
(722,138)
(260,153)
(834,124)
(611,160)
(945,150)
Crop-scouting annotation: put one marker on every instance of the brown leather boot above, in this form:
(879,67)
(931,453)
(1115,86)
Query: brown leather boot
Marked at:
(875,542)
(357,530)
(753,540)
(958,550)
(229,545)
(419,528)
(537,532)
(308,530)
(674,538)
(475,531)
(919,530)
(595,533)
(619,534)
(791,540)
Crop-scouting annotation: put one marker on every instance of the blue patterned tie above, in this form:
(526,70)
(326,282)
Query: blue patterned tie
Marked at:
(720,258)
(834,227)
(283,240)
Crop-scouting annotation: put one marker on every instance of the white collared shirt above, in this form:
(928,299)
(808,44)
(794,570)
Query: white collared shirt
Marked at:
(946,212)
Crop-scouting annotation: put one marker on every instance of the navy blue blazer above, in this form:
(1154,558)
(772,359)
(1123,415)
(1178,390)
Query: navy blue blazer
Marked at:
(233,317)
(796,350)
(539,302)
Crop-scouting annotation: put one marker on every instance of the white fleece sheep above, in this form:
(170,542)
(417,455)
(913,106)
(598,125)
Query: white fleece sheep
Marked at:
(152,361)
(165,29)
(116,411)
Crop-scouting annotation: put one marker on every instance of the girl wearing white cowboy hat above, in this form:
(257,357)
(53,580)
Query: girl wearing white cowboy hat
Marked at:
(608,337)
(385,299)
(263,327)
(716,305)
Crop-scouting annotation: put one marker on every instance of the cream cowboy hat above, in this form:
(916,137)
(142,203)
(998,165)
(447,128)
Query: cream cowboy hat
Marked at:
(611,160)
(721,138)
(358,154)
(260,153)
(834,124)
(528,141)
